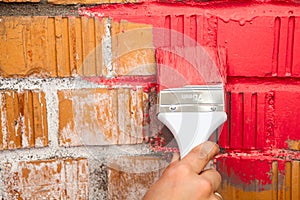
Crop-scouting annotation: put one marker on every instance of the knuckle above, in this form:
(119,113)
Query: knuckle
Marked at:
(206,185)
(179,168)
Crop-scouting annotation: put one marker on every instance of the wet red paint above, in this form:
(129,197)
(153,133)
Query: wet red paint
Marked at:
(263,113)
(254,167)
(260,66)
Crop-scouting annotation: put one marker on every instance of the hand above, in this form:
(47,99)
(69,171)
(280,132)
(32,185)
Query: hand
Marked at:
(186,179)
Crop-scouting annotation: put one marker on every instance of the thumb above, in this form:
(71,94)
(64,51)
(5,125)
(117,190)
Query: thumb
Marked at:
(198,157)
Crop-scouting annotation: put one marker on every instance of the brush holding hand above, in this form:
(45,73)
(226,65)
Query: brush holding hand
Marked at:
(187,179)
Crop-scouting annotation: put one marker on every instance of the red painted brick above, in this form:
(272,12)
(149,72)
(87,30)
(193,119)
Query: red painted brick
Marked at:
(261,115)
(101,116)
(51,179)
(258,178)
(23,120)
(178,66)
(264,46)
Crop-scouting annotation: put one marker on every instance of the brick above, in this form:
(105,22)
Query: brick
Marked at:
(269,179)
(67,46)
(90,1)
(294,144)
(101,116)
(26,35)
(265,46)
(261,115)
(17,1)
(23,120)
(132,48)
(131,177)
(51,179)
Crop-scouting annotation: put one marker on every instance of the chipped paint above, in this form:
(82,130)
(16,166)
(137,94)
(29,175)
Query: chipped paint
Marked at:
(95,154)
(131,177)
(107,49)
(294,144)
(256,164)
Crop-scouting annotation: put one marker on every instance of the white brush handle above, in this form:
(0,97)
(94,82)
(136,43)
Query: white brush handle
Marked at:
(191,128)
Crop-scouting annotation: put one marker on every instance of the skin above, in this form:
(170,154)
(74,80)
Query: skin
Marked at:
(187,179)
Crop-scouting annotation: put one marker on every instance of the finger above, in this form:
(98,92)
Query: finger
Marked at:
(211,178)
(198,158)
(175,157)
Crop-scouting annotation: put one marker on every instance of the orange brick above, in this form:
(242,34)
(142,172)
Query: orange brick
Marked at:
(294,145)
(131,177)
(40,120)
(295,180)
(132,49)
(101,116)
(50,179)
(89,1)
(49,46)
(13,1)
(23,120)
(66,46)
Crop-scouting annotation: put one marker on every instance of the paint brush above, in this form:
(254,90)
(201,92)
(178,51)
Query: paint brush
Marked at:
(191,99)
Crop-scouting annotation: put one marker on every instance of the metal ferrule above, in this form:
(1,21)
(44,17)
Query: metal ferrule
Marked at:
(208,98)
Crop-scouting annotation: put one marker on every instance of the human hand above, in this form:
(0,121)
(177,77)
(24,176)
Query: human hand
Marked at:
(187,179)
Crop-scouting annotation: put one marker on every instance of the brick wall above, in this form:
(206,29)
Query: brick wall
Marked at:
(78,94)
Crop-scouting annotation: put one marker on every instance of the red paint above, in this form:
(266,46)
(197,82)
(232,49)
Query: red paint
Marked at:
(253,167)
(263,113)
(255,48)
(171,74)
(147,82)
(264,47)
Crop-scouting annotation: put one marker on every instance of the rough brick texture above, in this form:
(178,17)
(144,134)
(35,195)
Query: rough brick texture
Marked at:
(132,48)
(66,46)
(131,177)
(18,1)
(23,120)
(90,1)
(102,116)
(261,115)
(75,86)
(49,179)
(282,178)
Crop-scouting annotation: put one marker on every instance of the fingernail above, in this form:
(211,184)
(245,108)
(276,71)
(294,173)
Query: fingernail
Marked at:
(206,148)
(210,165)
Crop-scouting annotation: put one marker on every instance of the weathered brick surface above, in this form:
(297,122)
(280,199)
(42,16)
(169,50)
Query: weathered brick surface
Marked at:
(49,46)
(17,1)
(132,48)
(23,120)
(102,116)
(66,46)
(131,177)
(46,179)
(90,1)
(255,49)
